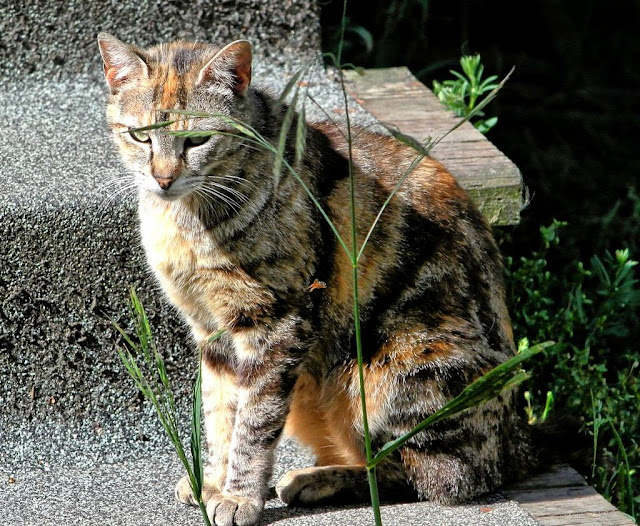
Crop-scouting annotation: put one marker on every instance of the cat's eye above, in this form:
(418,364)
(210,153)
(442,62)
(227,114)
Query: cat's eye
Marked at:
(190,142)
(139,136)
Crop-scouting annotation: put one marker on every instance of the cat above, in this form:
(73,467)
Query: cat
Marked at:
(234,248)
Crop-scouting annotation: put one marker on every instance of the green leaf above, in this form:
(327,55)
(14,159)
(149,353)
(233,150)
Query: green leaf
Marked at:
(484,125)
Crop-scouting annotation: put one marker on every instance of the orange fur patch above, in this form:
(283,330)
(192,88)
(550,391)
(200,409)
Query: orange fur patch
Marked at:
(325,422)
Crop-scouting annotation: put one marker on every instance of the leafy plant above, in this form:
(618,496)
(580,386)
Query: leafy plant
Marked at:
(462,94)
(591,311)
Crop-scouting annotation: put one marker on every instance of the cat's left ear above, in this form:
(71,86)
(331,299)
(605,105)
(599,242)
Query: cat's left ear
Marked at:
(231,66)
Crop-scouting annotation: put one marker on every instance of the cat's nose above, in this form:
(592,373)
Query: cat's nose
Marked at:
(164,182)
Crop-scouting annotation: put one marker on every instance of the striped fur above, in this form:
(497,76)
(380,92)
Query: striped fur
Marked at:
(233,251)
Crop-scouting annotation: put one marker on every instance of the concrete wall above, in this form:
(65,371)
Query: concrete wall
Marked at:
(56,39)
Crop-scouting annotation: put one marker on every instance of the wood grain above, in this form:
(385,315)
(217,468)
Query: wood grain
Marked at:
(561,497)
(396,98)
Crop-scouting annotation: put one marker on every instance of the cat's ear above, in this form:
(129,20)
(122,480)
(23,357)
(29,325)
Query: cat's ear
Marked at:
(122,63)
(231,67)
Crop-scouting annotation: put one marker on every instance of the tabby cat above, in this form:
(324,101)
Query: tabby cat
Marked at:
(234,248)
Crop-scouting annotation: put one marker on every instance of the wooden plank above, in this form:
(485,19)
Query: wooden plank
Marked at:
(542,502)
(561,497)
(395,97)
(613,518)
(557,476)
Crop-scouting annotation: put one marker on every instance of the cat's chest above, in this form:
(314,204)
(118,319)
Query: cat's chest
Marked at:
(201,279)
(173,250)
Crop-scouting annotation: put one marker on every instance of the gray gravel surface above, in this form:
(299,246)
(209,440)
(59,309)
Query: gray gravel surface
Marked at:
(123,473)
(56,40)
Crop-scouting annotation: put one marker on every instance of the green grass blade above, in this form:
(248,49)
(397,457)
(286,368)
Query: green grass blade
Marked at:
(196,436)
(188,113)
(293,81)
(284,135)
(162,124)
(156,388)
(326,114)
(216,335)
(410,141)
(627,468)
(317,204)
(406,174)
(483,389)
(301,136)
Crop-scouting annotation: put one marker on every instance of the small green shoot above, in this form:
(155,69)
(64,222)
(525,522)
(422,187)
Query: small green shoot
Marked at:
(146,367)
(462,93)
(532,418)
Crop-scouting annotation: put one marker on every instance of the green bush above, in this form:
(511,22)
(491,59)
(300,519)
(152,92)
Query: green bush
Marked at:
(591,311)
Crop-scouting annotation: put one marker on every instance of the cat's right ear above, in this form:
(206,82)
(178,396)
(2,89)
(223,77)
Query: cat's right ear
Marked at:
(231,67)
(121,62)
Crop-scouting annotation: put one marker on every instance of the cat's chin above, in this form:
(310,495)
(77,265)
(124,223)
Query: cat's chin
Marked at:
(169,195)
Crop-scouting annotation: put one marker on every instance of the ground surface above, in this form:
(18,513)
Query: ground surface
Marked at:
(123,474)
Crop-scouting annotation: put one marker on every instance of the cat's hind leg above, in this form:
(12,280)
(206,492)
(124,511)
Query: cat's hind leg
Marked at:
(342,484)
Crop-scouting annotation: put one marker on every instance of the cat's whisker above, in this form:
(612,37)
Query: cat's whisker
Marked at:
(222,197)
(121,194)
(115,189)
(239,195)
(240,180)
(210,200)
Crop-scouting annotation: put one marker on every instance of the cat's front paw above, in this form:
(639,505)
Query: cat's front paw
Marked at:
(185,494)
(232,510)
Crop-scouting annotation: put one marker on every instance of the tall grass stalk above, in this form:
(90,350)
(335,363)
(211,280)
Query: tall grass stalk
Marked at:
(371,469)
(483,389)
(146,366)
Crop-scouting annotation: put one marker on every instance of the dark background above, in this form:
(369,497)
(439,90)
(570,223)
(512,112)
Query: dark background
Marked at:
(569,116)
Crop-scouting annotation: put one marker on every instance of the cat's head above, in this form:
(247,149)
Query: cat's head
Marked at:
(145,85)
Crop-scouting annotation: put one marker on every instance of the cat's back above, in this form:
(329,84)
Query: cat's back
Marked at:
(431,259)
(426,187)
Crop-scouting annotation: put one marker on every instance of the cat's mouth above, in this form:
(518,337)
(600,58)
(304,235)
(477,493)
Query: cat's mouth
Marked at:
(169,189)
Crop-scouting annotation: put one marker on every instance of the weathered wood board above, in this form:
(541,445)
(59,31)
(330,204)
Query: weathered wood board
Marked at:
(395,97)
(561,497)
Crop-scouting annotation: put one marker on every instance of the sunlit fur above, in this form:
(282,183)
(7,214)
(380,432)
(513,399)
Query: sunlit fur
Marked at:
(233,250)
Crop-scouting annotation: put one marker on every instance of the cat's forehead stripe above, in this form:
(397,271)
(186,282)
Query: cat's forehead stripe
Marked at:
(170,90)
(177,71)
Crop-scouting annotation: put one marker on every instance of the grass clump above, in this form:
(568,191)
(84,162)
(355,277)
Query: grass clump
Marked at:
(590,310)
(146,367)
